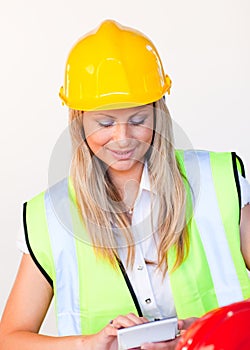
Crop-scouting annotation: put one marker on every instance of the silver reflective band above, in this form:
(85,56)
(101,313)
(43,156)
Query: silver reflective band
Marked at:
(227,287)
(67,301)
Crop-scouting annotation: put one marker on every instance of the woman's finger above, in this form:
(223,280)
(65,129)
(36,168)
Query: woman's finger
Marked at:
(186,323)
(166,345)
(124,321)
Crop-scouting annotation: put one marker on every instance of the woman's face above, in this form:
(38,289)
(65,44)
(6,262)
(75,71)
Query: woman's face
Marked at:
(120,137)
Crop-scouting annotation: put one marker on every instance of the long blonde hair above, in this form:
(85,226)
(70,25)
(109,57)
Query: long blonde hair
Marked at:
(100,205)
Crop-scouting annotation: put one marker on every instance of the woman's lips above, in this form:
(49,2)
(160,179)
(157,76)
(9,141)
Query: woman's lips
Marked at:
(122,155)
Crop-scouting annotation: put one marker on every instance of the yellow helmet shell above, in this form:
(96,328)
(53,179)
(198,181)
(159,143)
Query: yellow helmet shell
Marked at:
(113,67)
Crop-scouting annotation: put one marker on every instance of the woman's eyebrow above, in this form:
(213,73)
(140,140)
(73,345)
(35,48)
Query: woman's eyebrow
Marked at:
(114,117)
(104,115)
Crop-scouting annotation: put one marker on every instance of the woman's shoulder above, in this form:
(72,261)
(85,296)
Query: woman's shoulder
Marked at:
(56,191)
(205,158)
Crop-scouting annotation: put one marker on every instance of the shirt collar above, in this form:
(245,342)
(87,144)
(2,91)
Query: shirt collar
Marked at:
(145,180)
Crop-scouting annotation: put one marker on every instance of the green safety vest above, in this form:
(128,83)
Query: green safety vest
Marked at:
(89,291)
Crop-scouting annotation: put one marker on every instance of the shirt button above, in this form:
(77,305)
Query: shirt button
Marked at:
(140,267)
(148,301)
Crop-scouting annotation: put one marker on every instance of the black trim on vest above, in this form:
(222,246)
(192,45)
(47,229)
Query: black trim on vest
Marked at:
(48,278)
(131,290)
(243,173)
(236,176)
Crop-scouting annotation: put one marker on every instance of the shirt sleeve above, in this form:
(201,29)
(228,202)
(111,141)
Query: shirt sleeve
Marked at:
(21,242)
(245,191)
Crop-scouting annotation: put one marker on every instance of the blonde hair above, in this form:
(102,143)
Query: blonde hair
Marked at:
(100,205)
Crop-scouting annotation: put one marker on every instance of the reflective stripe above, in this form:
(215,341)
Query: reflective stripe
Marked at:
(217,247)
(65,257)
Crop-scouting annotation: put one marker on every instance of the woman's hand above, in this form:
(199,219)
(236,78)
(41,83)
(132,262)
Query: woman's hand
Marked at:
(106,339)
(183,325)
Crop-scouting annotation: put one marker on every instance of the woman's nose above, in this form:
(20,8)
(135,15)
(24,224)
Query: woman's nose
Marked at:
(122,134)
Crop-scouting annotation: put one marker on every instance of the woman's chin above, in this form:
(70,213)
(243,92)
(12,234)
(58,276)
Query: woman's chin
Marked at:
(123,165)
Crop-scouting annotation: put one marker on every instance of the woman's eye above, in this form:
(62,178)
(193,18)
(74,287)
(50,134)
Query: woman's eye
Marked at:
(137,121)
(106,123)
(133,121)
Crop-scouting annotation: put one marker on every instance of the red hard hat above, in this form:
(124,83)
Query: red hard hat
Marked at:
(226,328)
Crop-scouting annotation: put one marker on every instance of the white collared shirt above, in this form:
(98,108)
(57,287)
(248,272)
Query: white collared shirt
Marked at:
(153,292)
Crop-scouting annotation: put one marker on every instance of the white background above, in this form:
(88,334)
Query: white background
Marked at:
(205,48)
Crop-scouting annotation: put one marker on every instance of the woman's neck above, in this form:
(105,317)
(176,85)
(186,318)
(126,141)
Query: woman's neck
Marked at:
(127,183)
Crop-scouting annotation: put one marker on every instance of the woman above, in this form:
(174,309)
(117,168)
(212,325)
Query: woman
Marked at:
(139,231)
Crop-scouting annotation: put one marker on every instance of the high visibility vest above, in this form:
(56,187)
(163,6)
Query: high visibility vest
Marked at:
(89,292)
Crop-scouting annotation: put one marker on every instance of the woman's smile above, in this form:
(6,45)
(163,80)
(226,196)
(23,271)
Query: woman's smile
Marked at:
(121,154)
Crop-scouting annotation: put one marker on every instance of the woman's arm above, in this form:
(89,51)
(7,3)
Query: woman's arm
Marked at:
(26,308)
(245,234)
(24,313)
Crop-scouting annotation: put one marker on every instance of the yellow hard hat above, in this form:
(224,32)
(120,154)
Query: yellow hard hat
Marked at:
(113,67)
